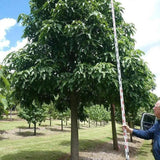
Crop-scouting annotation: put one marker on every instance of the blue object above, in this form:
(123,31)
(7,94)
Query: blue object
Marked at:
(152,133)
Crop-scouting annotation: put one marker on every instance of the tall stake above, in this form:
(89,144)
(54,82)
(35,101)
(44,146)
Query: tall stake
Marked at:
(120,84)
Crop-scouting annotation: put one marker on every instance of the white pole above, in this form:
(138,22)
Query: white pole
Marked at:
(120,84)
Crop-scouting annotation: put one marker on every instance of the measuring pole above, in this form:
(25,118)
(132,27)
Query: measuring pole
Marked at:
(120,84)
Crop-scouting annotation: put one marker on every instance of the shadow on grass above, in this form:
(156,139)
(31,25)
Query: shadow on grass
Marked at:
(144,150)
(24,127)
(28,133)
(98,146)
(2,138)
(57,130)
(36,155)
(2,132)
(104,148)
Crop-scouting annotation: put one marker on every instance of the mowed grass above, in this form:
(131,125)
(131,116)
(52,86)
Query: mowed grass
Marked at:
(48,147)
(56,146)
(145,152)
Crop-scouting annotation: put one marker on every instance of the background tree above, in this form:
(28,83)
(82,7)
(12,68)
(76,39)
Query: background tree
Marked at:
(4,88)
(35,113)
(97,113)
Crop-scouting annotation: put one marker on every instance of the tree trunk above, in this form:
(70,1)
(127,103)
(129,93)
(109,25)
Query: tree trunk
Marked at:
(29,125)
(61,124)
(114,132)
(11,114)
(50,119)
(74,128)
(66,121)
(34,129)
(131,125)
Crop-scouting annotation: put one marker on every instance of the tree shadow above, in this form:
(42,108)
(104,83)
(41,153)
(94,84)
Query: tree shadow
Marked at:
(2,131)
(98,146)
(28,133)
(142,152)
(57,130)
(36,155)
(2,138)
(24,127)
(107,147)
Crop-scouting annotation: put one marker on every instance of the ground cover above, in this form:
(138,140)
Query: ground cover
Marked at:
(18,143)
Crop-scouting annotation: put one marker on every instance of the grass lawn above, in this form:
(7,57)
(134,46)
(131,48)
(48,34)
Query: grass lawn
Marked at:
(55,145)
(145,151)
(48,147)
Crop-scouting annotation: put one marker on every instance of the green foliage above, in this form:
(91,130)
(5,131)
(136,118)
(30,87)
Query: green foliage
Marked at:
(98,113)
(72,44)
(33,114)
(4,89)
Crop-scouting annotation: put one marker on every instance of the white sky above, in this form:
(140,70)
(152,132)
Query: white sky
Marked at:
(145,14)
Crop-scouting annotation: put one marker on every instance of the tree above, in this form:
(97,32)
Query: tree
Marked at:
(97,113)
(4,88)
(35,113)
(63,116)
(70,55)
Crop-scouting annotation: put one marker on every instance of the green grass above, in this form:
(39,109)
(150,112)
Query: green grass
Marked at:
(48,147)
(145,151)
(56,145)
(9,125)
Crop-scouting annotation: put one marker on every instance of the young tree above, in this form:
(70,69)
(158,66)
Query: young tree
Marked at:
(97,113)
(34,113)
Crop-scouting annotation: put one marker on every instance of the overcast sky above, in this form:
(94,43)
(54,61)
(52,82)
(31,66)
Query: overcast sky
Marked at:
(145,14)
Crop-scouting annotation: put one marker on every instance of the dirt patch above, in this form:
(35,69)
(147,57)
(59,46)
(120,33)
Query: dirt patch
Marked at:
(106,152)
(22,132)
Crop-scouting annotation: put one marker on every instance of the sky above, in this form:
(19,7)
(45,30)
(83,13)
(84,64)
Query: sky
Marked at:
(144,14)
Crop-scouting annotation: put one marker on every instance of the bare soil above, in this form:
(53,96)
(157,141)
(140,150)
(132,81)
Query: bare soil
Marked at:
(106,152)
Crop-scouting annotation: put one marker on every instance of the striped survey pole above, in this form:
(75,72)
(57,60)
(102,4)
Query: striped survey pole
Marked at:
(120,84)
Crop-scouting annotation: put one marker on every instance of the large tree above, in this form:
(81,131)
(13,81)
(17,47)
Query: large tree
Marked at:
(70,56)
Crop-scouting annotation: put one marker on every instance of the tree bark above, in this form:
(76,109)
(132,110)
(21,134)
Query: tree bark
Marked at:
(50,119)
(61,124)
(29,125)
(66,121)
(74,128)
(114,132)
(131,125)
(34,129)
(11,114)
